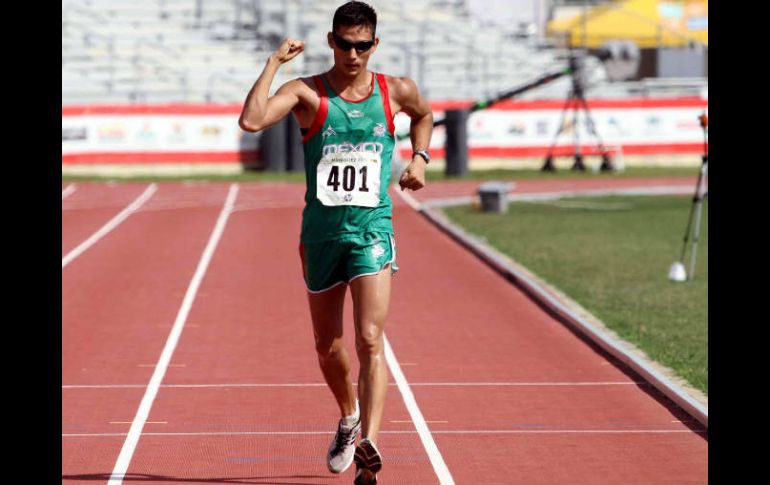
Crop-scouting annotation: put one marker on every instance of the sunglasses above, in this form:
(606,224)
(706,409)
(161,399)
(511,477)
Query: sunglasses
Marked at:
(360,47)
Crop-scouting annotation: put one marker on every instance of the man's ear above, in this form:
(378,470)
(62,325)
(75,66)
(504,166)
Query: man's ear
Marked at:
(330,40)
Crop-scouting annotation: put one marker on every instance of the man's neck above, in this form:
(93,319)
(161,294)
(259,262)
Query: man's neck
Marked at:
(341,81)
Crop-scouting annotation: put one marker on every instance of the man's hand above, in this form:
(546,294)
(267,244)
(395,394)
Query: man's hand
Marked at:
(290,49)
(414,175)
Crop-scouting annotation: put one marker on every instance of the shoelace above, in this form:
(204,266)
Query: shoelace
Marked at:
(343,438)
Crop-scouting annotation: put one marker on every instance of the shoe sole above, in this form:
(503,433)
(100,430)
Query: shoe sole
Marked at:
(367,457)
(359,480)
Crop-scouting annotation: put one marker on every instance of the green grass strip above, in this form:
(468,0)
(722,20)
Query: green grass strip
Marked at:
(611,255)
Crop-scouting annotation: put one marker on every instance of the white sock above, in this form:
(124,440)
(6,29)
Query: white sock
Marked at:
(351,420)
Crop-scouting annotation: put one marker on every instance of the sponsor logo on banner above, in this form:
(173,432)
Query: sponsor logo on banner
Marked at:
(479,130)
(541,127)
(73,133)
(211,131)
(177,134)
(147,133)
(653,125)
(517,128)
(688,125)
(111,132)
(614,125)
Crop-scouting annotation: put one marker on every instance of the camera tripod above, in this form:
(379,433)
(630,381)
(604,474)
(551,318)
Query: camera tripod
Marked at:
(677,272)
(575,101)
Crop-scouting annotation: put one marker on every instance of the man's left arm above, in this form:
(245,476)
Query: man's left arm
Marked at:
(407,96)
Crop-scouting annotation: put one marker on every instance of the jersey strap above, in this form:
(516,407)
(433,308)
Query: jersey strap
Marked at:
(323,109)
(386,102)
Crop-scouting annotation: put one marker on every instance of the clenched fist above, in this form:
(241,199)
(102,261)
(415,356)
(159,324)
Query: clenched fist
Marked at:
(414,175)
(288,50)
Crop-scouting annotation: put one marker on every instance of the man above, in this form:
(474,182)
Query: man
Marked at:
(346,117)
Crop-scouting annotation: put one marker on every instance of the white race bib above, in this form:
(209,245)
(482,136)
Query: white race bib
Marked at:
(351,178)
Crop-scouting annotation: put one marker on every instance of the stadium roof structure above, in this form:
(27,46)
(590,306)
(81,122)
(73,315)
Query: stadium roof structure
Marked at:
(648,23)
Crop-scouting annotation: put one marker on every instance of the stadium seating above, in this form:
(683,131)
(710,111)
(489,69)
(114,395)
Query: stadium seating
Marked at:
(199,51)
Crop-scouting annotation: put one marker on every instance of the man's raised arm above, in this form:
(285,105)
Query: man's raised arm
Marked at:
(259,111)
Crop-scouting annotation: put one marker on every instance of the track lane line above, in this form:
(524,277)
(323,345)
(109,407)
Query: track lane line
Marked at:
(68,190)
(436,460)
(439,466)
(127,451)
(112,224)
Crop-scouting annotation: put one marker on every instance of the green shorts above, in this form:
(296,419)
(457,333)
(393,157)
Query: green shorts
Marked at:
(327,264)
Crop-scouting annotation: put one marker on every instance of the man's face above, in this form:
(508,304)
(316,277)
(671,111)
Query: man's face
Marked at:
(349,60)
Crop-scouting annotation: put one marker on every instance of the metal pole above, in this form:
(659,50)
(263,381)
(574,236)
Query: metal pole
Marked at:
(273,147)
(698,210)
(456,143)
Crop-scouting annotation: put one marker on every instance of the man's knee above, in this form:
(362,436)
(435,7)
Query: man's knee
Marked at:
(369,340)
(328,347)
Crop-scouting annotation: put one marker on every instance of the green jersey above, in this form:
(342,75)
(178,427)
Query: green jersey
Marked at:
(347,164)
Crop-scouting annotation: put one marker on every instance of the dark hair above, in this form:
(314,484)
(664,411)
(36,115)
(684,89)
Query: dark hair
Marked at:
(355,14)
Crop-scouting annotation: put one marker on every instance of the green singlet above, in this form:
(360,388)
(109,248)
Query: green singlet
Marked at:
(347,165)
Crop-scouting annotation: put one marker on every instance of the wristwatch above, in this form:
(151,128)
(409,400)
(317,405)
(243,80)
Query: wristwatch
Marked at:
(423,154)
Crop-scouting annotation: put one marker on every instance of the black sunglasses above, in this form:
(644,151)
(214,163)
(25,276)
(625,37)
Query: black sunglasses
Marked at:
(360,47)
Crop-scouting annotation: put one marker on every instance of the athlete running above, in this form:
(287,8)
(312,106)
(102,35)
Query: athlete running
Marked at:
(347,239)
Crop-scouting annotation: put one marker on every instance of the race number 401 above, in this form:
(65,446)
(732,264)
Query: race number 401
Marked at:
(349,179)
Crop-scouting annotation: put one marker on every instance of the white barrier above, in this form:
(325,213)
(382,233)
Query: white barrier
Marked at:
(210,134)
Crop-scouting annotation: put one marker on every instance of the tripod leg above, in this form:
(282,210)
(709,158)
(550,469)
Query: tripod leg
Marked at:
(695,200)
(699,210)
(549,166)
(606,160)
(578,165)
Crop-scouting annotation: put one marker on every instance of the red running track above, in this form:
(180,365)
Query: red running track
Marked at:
(510,395)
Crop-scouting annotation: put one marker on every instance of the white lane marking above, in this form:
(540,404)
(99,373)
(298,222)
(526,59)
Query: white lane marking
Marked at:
(68,190)
(442,472)
(112,224)
(320,384)
(449,431)
(127,451)
(129,422)
(410,421)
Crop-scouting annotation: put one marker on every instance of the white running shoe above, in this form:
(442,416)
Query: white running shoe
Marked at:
(368,463)
(342,448)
